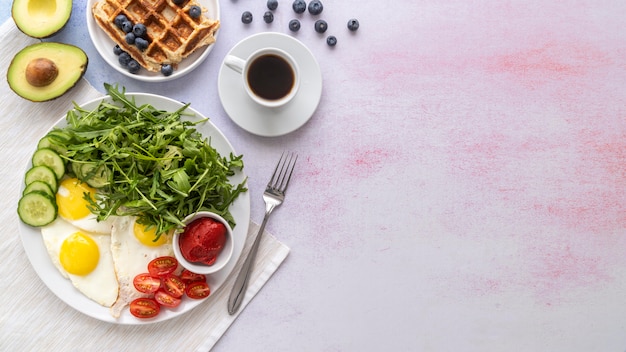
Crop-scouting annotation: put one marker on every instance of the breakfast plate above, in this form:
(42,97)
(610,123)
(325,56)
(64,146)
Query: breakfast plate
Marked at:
(38,256)
(104,45)
(264,121)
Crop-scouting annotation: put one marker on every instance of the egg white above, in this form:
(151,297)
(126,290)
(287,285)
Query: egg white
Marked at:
(101,284)
(90,222)
(131,258)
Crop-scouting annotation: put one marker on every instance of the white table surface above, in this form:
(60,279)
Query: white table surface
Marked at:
(461,186)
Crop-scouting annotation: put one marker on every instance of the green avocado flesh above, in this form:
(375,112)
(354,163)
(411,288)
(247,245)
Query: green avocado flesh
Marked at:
(32,82)
(41,18)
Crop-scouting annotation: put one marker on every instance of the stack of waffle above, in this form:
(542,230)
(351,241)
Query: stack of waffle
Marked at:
(171,33)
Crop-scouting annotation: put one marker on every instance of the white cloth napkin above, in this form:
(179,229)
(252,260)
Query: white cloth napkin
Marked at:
(32,318)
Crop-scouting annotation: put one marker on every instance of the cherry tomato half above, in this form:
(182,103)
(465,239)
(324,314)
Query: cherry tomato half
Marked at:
(165,299)
(162,266)
(198,290)
(144,308)
(146,283)
(174,285)
(189,276)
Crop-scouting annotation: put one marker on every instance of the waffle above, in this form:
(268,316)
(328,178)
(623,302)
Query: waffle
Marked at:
(171,33)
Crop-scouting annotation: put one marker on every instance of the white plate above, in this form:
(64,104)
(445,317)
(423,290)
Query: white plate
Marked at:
(258,119)
(63,288)
(104,44)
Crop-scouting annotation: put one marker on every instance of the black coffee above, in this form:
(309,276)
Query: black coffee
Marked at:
(270,77)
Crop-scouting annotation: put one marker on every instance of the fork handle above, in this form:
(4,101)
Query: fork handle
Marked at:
(241,283)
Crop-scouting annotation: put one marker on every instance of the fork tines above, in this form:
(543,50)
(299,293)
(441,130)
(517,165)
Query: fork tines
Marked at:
(282,174)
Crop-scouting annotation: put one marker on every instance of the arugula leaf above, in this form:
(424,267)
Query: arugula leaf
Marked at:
(154,165)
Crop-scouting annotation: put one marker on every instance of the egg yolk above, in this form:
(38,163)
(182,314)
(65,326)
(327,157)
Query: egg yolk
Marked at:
(79,254)
(70,199)
(146,237)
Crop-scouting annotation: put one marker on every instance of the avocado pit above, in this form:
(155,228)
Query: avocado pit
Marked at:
(41,72)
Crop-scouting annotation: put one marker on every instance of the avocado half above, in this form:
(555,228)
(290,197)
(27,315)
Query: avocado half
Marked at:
(41,18)
(46,70)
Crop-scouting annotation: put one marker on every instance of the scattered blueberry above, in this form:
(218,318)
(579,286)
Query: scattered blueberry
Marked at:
(130,38)
(117,50)
(315,7)
(331,40)
(299,6)
(133,66)
(268,17)
(272,4)
(321,26)
(178,2)
(353,24)
(124,59)
(246,17)
(167,70)
(127,26)
(141,43)
(294,25)
(195,11)
(139,30)
(119,20)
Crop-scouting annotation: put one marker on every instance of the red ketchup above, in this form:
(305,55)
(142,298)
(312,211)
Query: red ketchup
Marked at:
(203,240)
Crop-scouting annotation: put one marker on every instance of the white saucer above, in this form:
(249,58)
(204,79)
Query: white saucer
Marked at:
(258,119)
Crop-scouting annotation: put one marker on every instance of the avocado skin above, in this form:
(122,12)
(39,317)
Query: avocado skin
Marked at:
(71,60)
(40,22)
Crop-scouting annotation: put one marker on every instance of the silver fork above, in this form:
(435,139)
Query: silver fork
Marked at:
(273,196)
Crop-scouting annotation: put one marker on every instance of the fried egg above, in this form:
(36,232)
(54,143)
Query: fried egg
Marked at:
(84,258)
(133,247)
(73,208)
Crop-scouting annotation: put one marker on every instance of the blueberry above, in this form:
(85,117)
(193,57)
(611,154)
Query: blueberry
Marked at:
(139,30)
(299,6)
(321,26)
(246,17)
(141,43)
(294,25)
(353,24)
(119,20)
(268,17)
(130,38)
(133,66)
(167,70)
(127,26)
(117,50)
(124,59)
(272,4)
(178,2)
(331,40)
(195,11)
(315,7)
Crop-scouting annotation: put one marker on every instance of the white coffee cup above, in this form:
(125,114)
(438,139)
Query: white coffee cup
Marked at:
(270,76)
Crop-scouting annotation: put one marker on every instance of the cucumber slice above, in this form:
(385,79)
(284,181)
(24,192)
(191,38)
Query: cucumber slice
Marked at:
(51,159)
(37,209)
(95,176)
(42,173)
(75,166)
(39,186)
(52,143)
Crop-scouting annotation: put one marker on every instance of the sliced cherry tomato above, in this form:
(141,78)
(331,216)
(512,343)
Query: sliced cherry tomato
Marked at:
(144,308)
(165,299)
(198,290)
(189,276)
(174,285)
(146,283)
(162,266)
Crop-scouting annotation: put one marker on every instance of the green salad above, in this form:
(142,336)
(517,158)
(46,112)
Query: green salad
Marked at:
(143,161)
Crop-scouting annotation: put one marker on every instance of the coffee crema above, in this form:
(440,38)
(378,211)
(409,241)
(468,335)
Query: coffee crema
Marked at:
(270,77)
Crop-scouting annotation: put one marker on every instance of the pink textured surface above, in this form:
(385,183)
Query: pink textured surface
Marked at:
(460,188)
